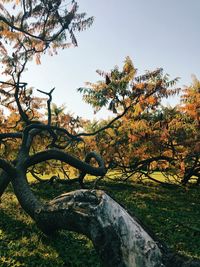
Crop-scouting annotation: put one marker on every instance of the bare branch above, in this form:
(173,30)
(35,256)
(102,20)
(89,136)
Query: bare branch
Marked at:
(89,156)
(67,158)
(107,126)
(21,29)
(48,103)
(10,135)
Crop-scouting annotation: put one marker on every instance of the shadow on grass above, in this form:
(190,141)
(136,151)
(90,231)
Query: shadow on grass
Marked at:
(22,244)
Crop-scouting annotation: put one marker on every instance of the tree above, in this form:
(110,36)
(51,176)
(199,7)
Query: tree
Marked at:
(191,108)
(33,28)
(28,30)
(191,100)
(146,136)
(134,142)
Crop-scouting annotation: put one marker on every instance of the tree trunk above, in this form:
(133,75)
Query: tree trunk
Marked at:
(4,182)
(117,237)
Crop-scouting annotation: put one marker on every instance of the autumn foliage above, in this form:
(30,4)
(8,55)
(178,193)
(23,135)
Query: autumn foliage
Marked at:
(141,137)
(146,136)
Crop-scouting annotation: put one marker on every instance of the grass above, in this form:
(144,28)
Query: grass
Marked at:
(171,213)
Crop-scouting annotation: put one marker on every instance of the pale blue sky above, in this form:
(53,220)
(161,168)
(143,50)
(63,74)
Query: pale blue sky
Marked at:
(154,33)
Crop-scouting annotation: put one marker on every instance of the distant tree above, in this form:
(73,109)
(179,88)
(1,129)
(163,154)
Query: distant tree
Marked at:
(134,140)
(145,137)
(191,100)
(191,108)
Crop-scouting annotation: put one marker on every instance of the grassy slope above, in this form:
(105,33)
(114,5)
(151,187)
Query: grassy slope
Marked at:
(169,213)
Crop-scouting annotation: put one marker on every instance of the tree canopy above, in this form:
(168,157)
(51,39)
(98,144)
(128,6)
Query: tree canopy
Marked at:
(38,137)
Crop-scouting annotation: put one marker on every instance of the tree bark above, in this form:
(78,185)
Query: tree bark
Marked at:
(4,182)
(117,237)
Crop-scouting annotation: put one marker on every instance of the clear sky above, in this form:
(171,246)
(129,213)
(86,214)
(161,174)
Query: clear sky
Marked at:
(154,33)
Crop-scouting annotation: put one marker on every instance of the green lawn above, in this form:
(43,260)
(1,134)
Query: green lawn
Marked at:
(171,213)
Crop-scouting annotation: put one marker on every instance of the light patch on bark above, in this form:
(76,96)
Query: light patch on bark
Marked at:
(111,228)
(137,247)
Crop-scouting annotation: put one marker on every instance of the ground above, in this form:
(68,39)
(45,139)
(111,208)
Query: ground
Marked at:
(172,214)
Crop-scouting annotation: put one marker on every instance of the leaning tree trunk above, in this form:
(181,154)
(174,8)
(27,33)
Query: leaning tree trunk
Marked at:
(117,237)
